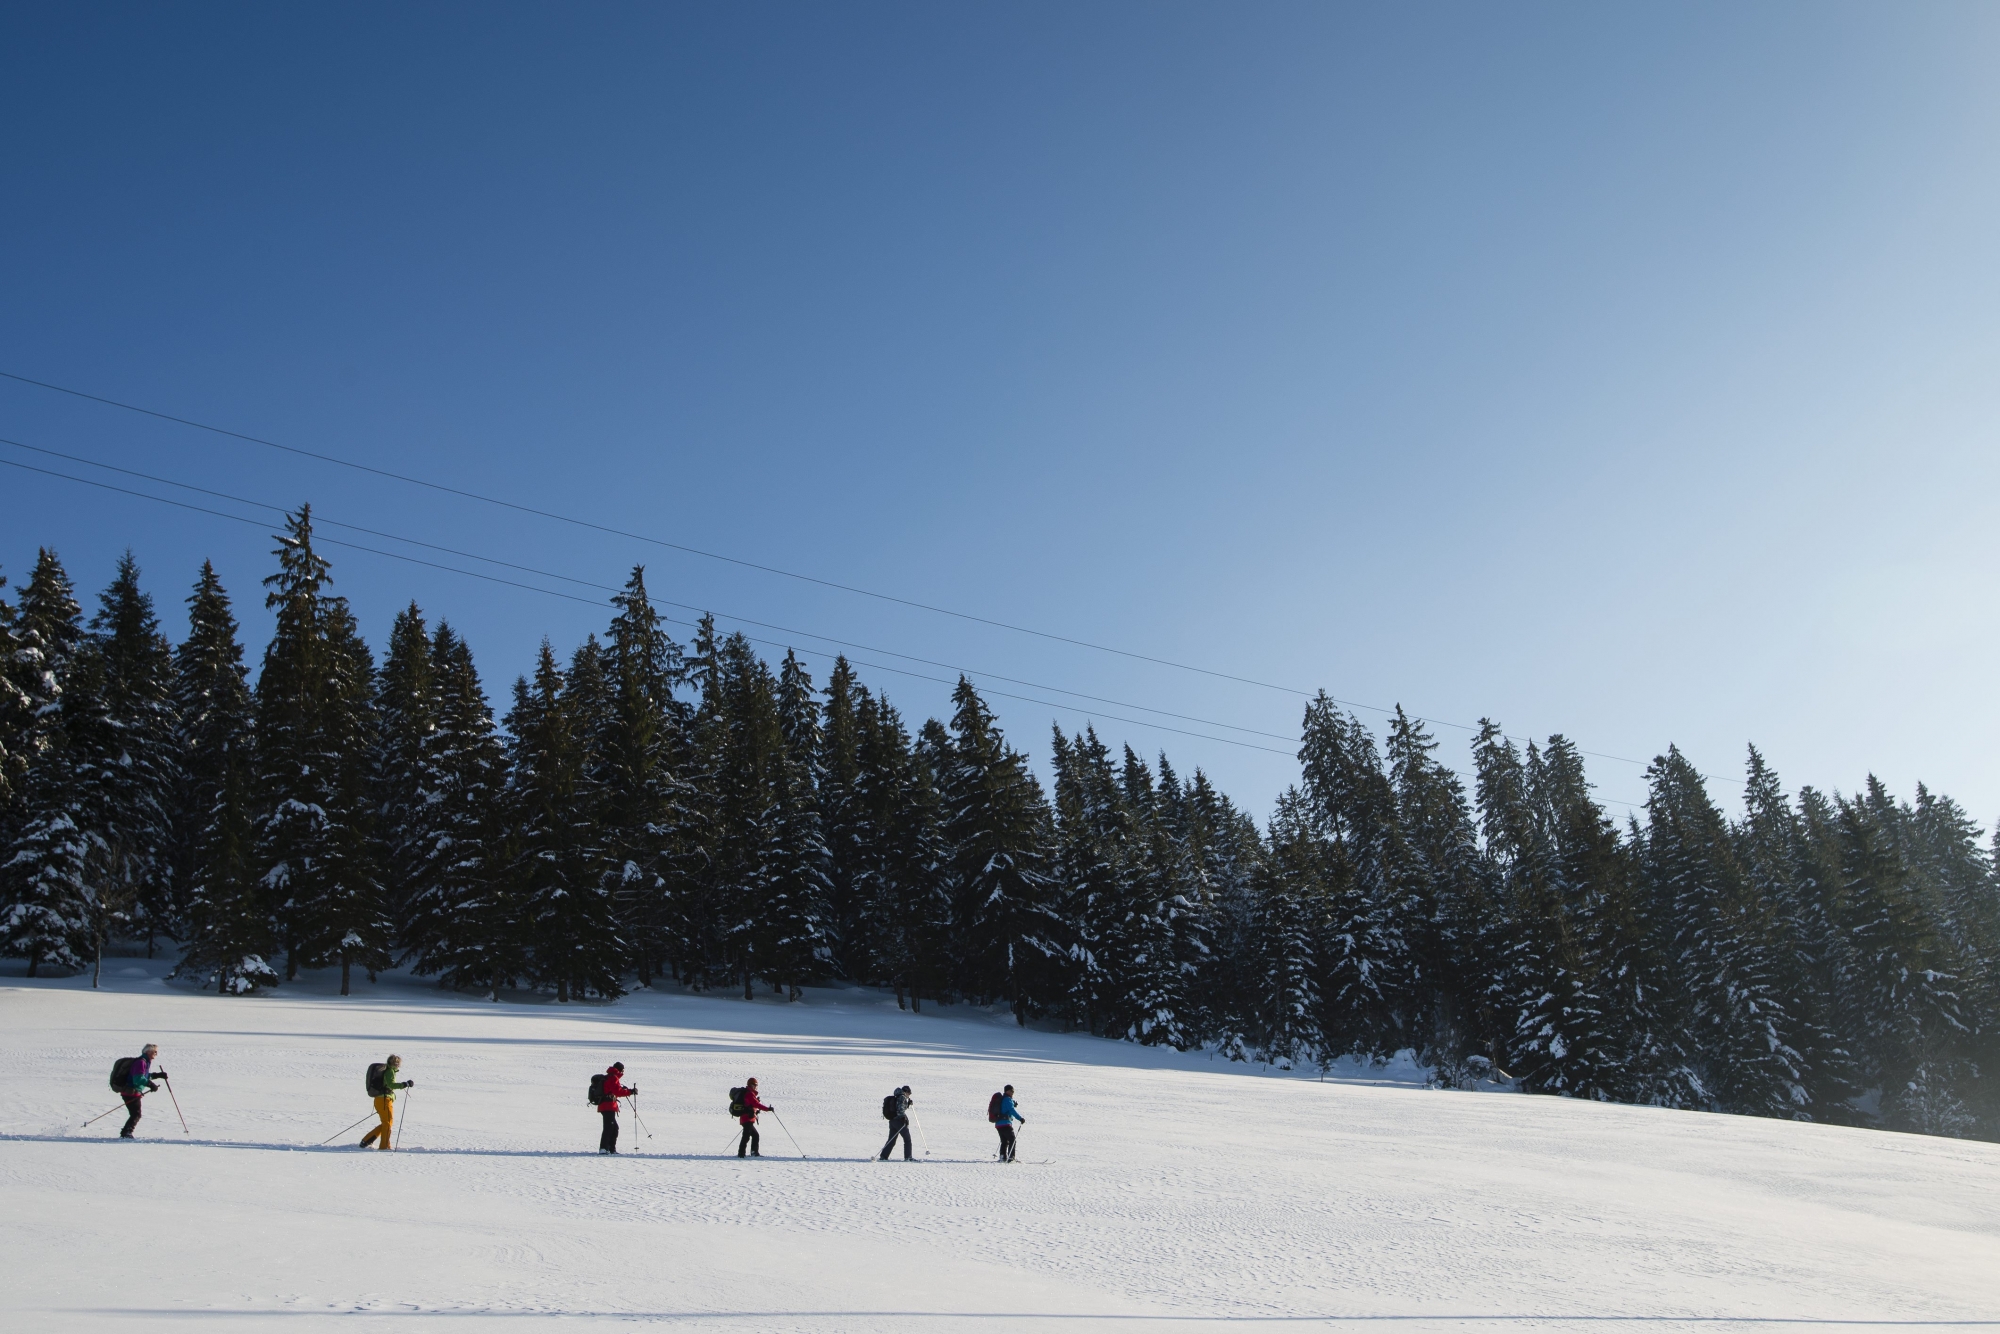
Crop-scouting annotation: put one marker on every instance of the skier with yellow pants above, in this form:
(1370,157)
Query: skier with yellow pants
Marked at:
(382,1085)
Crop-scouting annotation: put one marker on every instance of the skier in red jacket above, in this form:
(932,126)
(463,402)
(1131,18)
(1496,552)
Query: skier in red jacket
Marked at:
(752,1104)
(614,1089)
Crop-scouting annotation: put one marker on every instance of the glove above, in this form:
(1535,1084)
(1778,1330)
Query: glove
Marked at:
(409,1083)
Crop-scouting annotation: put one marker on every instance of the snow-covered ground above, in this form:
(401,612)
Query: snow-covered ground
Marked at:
(1155,1191)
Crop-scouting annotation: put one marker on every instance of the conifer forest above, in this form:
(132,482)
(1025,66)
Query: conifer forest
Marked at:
(649,813)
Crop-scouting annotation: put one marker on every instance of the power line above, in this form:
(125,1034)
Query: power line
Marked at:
(642,537)
(595,602)
(738,561)
(660,601)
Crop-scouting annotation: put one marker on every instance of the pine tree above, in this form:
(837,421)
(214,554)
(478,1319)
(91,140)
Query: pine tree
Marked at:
(1812,955)
(798,881)
(1368,984)
(49,873)
(408,705)
(314,729)
(1913,1030)
(214,846)
(1456,924)
(566,911)
(644,823)
(464,922)
(1292,912)
(1543,991)
(1718,946)
(851,942)
(996,831)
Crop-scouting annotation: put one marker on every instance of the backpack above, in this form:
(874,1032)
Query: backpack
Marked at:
(993,1108)
(889,1106)
(121,1074)
(736,1107)
(378,1075)
(596,1093)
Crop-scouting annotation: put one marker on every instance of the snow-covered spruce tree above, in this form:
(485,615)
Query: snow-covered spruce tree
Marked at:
(1953,860)
(642,805)
(696,911)
(464,921)
(315,741)
(1718,947)
(135,758)
(47,875)
(1913,1029)
(1637,1038)
(1188,904)
(1543,991)
(996,833)
(408,703)
(1229,853)
(1452,938)
(1088,857)
(902,909)
(1289,926)
(1150,995)
(229,928)
(798,881)
(845,824)
(566,910)
(1368,984)
(20,674)
(1812,956)
(747,757)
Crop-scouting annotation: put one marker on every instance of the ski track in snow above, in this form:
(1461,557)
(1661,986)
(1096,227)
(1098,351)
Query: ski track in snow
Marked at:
(1156,1190)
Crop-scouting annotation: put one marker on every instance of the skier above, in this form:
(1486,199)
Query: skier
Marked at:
(139,1081)
(752,1105)
(1004,1117)
(896,1107)
(614,1089)
(385,1102)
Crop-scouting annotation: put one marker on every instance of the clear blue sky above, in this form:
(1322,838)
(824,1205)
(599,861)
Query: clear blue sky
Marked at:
(1626,371)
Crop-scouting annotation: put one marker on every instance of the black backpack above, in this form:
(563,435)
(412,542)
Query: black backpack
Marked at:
(889,1108)
(121,1074)
(736,1103)
(993,1108)
(378,1075)
(596,1089)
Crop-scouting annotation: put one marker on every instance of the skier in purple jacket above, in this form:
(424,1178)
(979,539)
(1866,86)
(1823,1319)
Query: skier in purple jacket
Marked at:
(140,1080)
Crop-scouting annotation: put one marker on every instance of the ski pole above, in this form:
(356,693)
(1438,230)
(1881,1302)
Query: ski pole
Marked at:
(638,1118)
(338,1133)
(916,1121)
(788,1135)
(405,1118)
(734,1137)
(177,1105)
(101,1115)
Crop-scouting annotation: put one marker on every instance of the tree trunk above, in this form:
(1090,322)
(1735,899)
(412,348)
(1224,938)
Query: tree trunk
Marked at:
(748,994)
(900,1004)
(34,960)
(97,964)
(345,966)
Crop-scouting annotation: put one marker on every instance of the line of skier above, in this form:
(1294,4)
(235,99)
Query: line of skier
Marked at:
(133,1077)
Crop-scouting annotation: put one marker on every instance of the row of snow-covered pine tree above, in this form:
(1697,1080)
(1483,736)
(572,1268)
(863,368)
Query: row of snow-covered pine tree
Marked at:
(648,811)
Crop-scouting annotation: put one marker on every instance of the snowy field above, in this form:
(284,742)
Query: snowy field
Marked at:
(1155,1191)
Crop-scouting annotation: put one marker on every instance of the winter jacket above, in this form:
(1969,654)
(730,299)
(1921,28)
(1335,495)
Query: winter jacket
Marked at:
(614,1089)
(752,1104)
(1008,1112)
(141,1074)
(902,1105)
(389,1084)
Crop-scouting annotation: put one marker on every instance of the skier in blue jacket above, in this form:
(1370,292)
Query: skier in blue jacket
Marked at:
(1004,1120)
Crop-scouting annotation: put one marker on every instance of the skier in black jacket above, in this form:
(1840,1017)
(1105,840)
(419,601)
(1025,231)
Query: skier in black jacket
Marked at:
(897,1108)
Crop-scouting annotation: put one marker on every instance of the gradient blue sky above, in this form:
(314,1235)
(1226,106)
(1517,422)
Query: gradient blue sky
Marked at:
(1616,370)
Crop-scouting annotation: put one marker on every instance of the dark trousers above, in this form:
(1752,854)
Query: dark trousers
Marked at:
(608,1141)
(750,1140)
(132,1106)
(1006,1142)
(899,1126)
